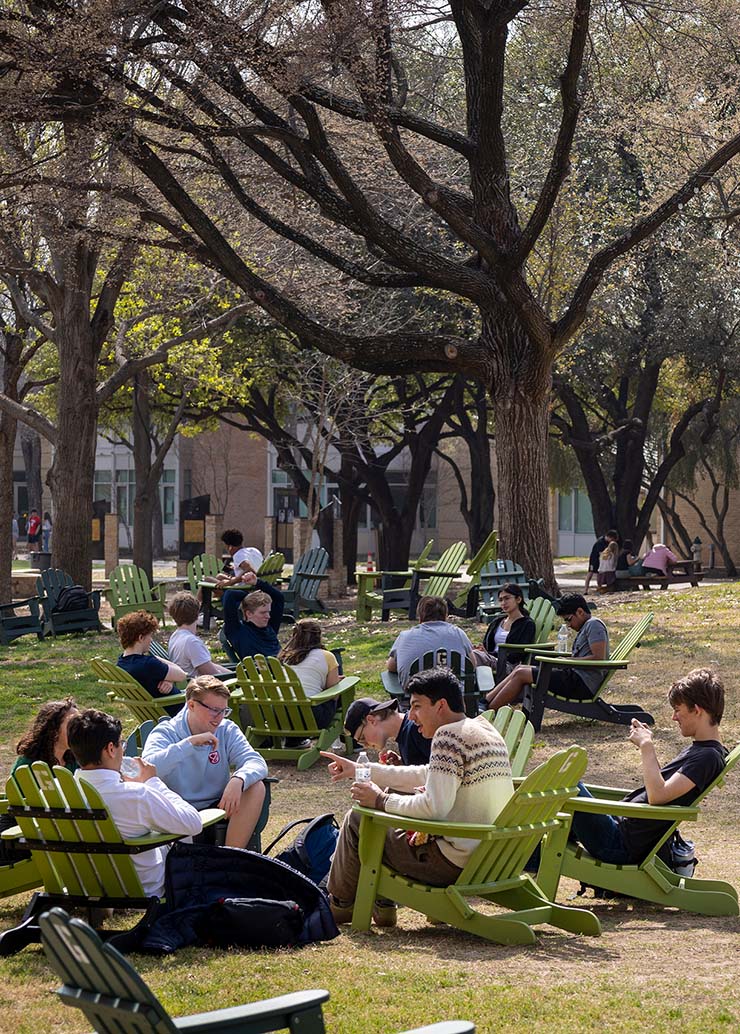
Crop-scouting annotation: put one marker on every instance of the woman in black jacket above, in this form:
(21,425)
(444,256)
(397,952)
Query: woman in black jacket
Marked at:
(513,625)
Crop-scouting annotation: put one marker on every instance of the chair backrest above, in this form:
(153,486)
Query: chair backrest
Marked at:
(135,740)
(271,568)
(50,583)
(518,734)
(450,566)
(485,555)
(129,585)
(276,699)
(497,573)
(629,641)
(157,650)
(41,801)
(542,612)
(98,980)
(204,565)
(313,561)
(124,689)
(526,817)
(462,665)
(419,562)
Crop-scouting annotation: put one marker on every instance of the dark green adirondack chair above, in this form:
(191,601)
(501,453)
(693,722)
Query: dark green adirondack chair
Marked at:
(271,568)
(124,689)
(426,581)
(494,575)
(56,622)
(462,666)
(368,597)
(82,858)
(115,1000)
(14,625)
(130,590)
(301,592)
(280,710)
(538,696)
(467,598)
(543,614)
(518,735)
(494,871)
(651,880)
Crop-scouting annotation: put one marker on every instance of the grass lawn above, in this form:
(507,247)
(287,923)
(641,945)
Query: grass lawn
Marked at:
(652,969)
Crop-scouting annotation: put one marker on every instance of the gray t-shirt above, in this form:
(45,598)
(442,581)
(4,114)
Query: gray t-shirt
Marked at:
(425,638)
(592,631)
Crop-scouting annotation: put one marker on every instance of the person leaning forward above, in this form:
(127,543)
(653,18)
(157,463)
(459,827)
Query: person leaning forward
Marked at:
(372,723)
(468,779)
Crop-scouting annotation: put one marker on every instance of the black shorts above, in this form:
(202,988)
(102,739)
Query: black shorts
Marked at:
(565,682)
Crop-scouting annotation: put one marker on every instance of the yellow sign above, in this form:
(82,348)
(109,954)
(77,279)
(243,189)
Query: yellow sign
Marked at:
(193,531)
(96,529)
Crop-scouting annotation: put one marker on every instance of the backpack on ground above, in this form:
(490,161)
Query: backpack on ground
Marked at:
(311,851)
(71,597)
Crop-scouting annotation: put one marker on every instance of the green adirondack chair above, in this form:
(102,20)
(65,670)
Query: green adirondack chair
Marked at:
(48,585)
(494,871)
(462,666)
(538,696)
(467,598)
(13,625)
(543,614)
(280,710)
(67,828)
(124,689)
(204,565)
(271,568)
(494,575)
(651,880)
(115,1000)
(17,877)
(130,590)
(301,592)
(369,598)
(436,582)
(518,734)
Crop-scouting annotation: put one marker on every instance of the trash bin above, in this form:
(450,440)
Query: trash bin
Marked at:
(40,561)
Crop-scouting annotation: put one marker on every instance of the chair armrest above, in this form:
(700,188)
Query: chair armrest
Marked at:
(348,682)
(391,683)
(12,833)
(472,830)
(19,603)
(313,576)
(484,678)
(210,815)
(631,809)
(427,572)
(608,793)
(241,1018)
(562,661)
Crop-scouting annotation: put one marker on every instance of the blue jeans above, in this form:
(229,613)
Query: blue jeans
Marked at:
(601,835)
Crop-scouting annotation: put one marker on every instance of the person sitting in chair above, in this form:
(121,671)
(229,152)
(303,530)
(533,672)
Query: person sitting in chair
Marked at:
(196,751)
(468,779)
(135,632)
(591,644)
(372,723)
(434,632)
(186,649)
(245,560)
(138,805)
(262,612)
(698,701)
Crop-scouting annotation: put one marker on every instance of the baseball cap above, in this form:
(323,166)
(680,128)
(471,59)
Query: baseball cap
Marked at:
(358,711)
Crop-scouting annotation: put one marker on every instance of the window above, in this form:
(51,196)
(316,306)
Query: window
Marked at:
(565,512)
(584,516)
(125,494)
(103,485)
(167,496)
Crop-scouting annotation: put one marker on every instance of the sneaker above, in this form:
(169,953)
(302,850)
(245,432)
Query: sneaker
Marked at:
(385,915)
(341,910)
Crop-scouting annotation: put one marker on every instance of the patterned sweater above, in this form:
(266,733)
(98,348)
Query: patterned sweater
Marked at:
(468,779)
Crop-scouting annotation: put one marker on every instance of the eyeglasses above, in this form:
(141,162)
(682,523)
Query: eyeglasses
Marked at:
(219,712)
(360,733)
(568,618)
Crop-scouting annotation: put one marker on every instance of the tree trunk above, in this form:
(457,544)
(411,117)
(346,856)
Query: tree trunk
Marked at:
(394,540)
(31,448)
(521,421)
(71,476)
(351,505)
(157,529)
(7,445)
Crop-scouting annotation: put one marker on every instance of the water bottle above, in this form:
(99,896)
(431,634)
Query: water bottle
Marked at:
(563,639)
(130,768)
(362,770)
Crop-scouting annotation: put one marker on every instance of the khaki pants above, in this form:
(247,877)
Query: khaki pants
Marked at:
(425,863)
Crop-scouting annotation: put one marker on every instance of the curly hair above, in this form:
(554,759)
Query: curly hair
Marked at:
(131,627)
(38,742)
(306,636)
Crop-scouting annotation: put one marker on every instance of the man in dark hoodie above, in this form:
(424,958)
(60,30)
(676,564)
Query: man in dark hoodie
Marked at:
(251,622)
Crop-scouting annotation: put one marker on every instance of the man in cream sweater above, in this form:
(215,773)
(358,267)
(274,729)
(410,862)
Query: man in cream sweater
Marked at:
(468,779)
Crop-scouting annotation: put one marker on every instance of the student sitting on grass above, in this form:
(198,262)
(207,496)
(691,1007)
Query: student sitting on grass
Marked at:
(185,648)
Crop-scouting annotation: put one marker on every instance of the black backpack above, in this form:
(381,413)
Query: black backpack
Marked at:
(71,597)
(311,851)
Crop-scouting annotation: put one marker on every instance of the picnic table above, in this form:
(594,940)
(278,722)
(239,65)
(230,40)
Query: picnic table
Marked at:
(677,572)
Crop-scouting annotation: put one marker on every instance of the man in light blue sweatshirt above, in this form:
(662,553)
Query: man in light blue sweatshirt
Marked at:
(194,754)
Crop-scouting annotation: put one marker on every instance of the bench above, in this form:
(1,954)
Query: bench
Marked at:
(678,573)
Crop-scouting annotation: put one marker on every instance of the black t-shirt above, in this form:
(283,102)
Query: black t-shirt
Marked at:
(412,746)
(701,762)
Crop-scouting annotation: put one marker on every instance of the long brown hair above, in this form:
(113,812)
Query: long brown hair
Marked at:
(38,743)
(306,636)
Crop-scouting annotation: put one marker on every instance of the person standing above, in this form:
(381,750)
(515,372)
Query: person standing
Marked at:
(15,534)
(46,531)
(33,529)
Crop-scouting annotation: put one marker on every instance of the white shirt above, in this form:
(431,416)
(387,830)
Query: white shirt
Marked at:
(187,651)
(313,670)
(247,555)
(141,808)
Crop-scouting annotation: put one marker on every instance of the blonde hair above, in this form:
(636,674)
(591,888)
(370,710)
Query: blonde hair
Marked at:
(197,688)
(255,600)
